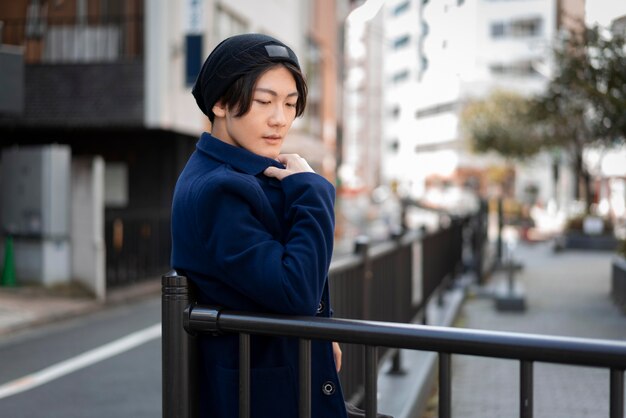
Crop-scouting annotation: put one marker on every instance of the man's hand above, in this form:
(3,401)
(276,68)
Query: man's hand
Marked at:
(293,164)
(337,354)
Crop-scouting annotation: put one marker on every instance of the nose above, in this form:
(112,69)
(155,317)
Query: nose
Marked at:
(278,116)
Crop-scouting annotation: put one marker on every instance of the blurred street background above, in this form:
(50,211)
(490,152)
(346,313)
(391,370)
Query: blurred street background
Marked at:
(490,131)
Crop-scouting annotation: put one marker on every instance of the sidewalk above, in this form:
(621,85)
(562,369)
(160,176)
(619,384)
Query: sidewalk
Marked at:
(24,307)
(567,294)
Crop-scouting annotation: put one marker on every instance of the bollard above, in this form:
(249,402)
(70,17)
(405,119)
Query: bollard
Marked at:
(510,297)
(8,271)
(499,243)
(179,349)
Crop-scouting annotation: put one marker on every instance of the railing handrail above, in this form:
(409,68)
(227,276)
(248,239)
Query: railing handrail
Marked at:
(508,345)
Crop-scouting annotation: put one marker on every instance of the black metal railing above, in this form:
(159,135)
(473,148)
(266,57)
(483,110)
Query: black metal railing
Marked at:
(181,320)
(391,282)
(388,281)
(138,245)
(73,40)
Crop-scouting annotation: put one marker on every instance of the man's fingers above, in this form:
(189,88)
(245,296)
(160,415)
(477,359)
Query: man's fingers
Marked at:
(272,172)
(293,164)
(337,354)
(286,158)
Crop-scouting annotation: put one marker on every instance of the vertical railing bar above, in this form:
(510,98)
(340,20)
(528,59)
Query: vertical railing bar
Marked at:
(526,389)
(445,385)
(371,377)
(179,377)
(305,378)
(617,394)
(244,375)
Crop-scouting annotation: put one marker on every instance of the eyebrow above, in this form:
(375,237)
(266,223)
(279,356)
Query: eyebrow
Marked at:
(273,93)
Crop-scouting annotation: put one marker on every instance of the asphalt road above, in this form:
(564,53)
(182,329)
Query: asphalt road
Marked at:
(112,380)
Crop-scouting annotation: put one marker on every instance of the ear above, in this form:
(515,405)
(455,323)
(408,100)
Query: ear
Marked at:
(219,110)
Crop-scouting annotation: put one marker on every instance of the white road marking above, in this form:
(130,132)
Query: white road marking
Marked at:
(82,360)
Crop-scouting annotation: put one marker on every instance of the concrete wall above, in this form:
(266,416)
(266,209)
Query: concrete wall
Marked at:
(87,236)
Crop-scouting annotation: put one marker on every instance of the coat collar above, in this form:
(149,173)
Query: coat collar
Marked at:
(239,158)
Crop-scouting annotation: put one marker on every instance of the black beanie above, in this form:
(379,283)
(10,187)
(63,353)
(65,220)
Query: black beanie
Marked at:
(226,63)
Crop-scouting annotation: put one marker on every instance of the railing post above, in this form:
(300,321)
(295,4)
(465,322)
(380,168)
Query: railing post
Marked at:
(617,393)
(445,385)
(244,375)
(304,404)
(361,247)
(397,234)
(371,380)
(179,351)
(526,389)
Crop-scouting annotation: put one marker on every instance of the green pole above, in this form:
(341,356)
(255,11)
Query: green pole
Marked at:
(8,272)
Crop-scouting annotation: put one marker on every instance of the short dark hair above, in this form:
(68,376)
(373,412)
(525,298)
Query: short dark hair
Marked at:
(238,97)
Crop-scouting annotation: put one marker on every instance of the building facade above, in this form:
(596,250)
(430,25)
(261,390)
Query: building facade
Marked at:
(111,79)
(442,54)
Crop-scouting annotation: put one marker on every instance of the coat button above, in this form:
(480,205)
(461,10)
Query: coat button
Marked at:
(328,388)
(320,307)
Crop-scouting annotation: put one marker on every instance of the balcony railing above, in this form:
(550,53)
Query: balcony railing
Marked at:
(68,40)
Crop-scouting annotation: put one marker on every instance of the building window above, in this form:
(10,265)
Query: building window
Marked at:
(436,109)
(401,42)
(115,185)
(497,30)
(401,8)
(525,27)
(521,28)
(400,76)
(515,69)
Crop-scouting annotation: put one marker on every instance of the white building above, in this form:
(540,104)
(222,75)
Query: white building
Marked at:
(442,53)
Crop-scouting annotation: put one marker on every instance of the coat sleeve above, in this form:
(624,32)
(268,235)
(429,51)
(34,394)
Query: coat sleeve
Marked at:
(282,277)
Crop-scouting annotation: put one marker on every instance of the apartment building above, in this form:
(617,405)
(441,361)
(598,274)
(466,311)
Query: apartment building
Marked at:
(443,53)
(106,85)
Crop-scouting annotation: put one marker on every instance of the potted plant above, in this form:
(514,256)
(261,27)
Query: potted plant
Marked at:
(589,232)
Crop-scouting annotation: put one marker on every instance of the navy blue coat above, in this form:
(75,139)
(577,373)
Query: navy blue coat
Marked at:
(255,243)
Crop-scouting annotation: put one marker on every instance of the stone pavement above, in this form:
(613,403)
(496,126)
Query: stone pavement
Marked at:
(567,294)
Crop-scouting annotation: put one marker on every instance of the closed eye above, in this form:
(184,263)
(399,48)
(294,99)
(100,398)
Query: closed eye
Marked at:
(263,102)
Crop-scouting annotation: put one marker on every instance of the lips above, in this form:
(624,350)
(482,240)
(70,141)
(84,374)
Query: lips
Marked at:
(274,137)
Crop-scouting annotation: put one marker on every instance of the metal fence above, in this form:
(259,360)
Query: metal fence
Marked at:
(182,319)
(138,245)
(391,281)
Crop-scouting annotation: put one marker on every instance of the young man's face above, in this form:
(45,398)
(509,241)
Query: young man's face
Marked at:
(263,128)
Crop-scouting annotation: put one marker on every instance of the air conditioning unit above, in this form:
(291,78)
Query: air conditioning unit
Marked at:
(35,210)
